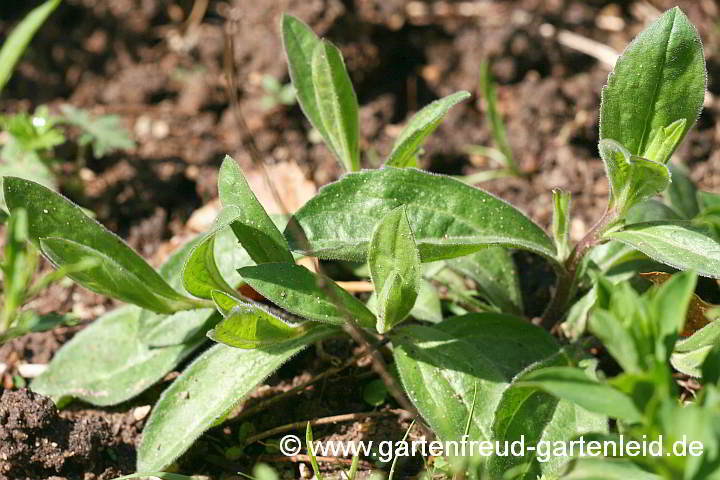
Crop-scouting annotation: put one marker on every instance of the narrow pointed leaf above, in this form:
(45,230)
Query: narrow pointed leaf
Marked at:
(659,79)
(248,325)
(448,218)
(15,44)
(306,294)
(421,126)
(253,227)
(300,41)
(676,244)
(114,359)
(52,215)
(665,141)
(205,392)
(336,102)
(574,385)
(394,263)
(201,275)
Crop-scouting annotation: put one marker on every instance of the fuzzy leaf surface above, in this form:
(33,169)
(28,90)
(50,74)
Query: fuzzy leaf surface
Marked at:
(205,392)
(307,294)
(52,215)
(449,218)
(659,79)
(421,126)
(676,244)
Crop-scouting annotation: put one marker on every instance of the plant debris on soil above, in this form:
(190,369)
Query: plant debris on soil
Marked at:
(163,76)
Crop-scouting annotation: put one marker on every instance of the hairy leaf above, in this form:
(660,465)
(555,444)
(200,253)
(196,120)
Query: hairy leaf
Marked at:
(307,294)
(52,215)
(676,244)
(394,268)
(253,227)
(336,102)
(205,392)
(248,325)
(448,218)
(105,133)
(683,192)
(575,385)
(659,79)
(421,126)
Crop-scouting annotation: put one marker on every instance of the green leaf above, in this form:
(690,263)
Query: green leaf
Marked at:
(617,339)
(675,244)
(588,468)
(140,355)
(394,264)
(336,102)
(253,227)
(690,353)
(307,294)
(107,363)
(561,222)
(664,142)
(107,276)
(459,374)
(76,234)
(659,79)
(299,42)
(248,325)
(375,393)
(421,126)
(442,366)
(493,270)
(18,40)
(527,414)
(105,133)
(201,275)
(449,218)
(683,192)
(205,392)
(633,179)
(497,127)
(574,384)
(427,306)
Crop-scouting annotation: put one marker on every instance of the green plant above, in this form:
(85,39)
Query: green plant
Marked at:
(18,267)
(276,93)
(487,372)
(502,152)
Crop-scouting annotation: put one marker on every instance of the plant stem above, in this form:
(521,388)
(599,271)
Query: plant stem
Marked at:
(567,273)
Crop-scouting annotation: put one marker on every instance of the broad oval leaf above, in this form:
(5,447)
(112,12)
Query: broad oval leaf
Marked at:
(107,363)
(394,263)
(248,325)
(253,227)
(205,392)
(527,414)
(448,217)
(307,294)
(659,79)
(52,215)
(459,375)
(676,244)
(421,126)
(336,102)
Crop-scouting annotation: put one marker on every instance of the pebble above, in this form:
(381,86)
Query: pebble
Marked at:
(31,370)
(139,413)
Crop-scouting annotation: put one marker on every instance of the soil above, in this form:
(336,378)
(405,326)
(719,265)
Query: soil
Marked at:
(141,60)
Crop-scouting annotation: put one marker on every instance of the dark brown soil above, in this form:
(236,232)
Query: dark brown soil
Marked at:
(140,60)
(38,442)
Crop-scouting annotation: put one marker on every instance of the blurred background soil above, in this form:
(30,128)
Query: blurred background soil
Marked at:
(160,68)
